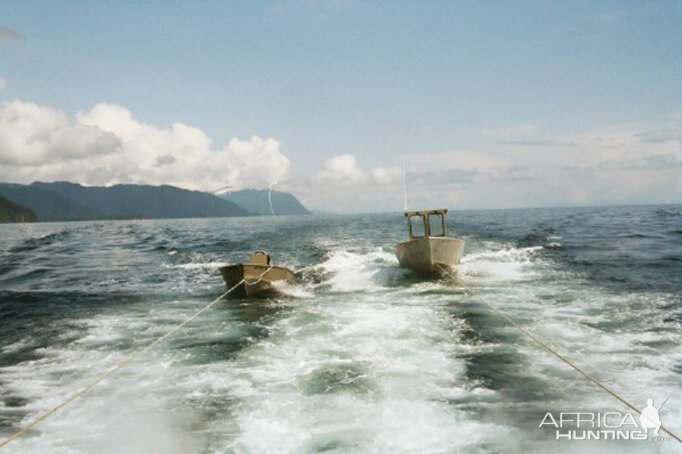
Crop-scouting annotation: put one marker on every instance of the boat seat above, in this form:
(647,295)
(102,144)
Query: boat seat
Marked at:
(260,258)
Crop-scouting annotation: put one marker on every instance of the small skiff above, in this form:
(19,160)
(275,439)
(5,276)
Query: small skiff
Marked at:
(259,274)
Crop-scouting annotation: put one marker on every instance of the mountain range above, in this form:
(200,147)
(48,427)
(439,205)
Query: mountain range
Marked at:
(264,202)
(64,201)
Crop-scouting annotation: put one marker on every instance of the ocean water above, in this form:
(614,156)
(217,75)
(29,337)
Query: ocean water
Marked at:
(360,355)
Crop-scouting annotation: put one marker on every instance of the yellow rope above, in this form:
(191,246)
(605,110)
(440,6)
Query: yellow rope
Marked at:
(553,351)
(257,281)
(139,353)
(123,364)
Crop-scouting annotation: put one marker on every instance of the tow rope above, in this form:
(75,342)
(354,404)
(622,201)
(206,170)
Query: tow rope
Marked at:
(553,351)
(134,356)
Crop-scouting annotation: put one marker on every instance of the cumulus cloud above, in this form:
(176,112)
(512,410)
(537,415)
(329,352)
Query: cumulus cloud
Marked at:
(107,145)
(341,168)
(344,169)
(526,167)
(516,166)
(37,135)
(343,185)
(519,166)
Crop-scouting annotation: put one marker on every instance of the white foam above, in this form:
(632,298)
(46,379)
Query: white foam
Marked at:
(196,266)
(297,291)
(356,271)
(127,412)
(508,264)
(390,358)
(400,360)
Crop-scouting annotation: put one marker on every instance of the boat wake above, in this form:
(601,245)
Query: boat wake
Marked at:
(359,355)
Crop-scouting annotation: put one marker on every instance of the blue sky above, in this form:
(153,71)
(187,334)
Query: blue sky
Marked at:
(379,81)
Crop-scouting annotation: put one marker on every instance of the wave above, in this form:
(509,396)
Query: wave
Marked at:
(360,356)
(196,266)
(667,213)
(637,235)
(295,291)
(34,243)
(353,271)
(510,264)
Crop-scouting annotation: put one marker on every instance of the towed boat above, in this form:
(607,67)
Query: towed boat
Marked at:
(429,251)
(259,276)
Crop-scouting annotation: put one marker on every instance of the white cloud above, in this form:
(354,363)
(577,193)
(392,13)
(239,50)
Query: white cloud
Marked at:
(385,176)
(527,145)
(3,84)
(342,185)
(107,145)
(509,167)
(37,135)
(341,168)
(524,166)
(517,166)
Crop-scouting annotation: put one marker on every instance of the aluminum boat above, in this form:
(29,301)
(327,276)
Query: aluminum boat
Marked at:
(260,276)
(429,251)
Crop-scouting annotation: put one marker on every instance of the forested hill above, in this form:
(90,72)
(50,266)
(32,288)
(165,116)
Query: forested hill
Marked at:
(257,201)
(12,212)
(63,201)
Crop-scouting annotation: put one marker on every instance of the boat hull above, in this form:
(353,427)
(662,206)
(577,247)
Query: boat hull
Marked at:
(430,255)
(256,283)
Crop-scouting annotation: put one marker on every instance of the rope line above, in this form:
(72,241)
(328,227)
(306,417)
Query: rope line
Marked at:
(260,278)
(135,355)
(553,351)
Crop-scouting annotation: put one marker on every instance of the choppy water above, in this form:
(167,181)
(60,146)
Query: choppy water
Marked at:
(362,356)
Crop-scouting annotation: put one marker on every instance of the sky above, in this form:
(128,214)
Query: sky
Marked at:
(480,104)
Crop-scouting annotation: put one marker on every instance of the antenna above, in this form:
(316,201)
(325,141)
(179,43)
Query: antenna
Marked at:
(404,187)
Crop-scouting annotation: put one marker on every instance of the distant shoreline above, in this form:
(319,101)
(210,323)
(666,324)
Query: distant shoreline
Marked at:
(354,214)
(64,201)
